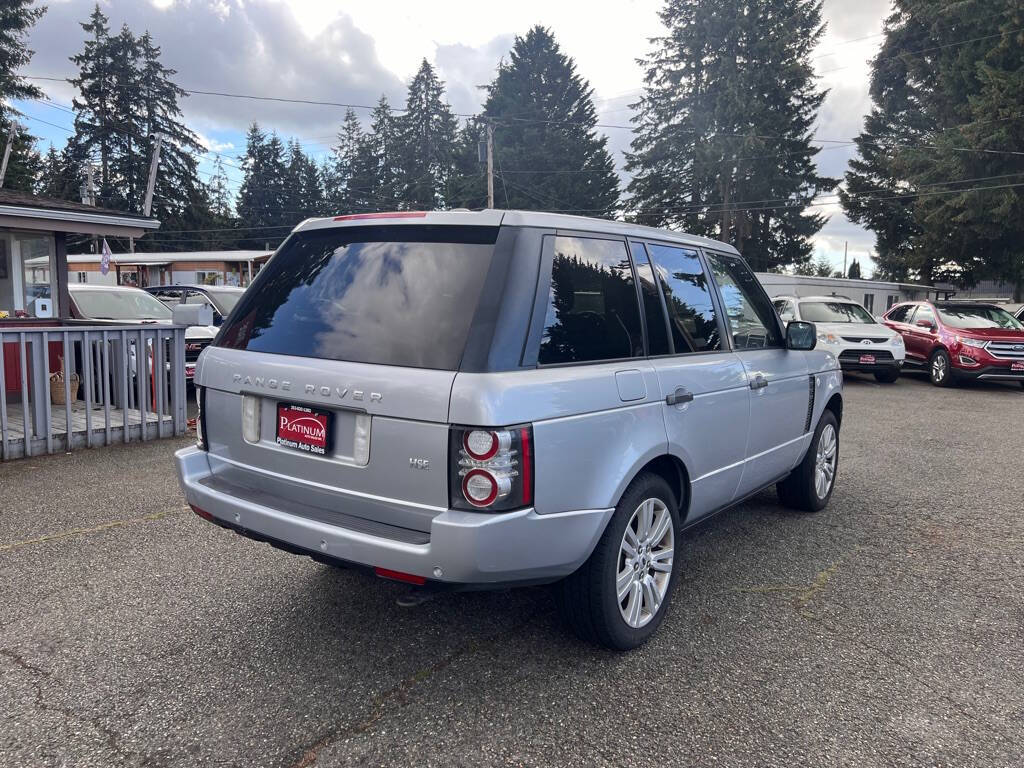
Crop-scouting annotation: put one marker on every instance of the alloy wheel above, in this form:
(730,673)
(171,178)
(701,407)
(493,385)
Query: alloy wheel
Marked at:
(645,562)
(825,463)
(939,369)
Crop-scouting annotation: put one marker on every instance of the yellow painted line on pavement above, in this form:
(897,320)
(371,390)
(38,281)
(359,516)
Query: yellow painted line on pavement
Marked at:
(94,529)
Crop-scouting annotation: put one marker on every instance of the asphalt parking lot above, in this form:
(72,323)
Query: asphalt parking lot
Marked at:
(885,630)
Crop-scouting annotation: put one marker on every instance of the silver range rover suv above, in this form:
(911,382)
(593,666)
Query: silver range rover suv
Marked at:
(474,399)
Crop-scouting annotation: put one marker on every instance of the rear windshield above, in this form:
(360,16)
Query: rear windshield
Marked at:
(391,295)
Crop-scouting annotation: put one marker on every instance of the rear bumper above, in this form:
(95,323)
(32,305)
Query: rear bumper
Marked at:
(467,547)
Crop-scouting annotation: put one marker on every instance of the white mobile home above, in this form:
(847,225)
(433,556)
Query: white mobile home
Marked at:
(876,295)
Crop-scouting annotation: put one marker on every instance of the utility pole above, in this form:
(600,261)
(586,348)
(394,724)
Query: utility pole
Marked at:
(846,245)
(154,162)
(7,153)
(490,165)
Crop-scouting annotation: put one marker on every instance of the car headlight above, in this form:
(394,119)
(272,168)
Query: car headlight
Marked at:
(979,343)
(828,338)
(897,340)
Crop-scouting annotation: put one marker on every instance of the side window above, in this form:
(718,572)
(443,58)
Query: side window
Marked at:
(691,312)
(924,312)
(196,297)
(751,320)
(654,314)
(869,302)
(900,314)
(592,312)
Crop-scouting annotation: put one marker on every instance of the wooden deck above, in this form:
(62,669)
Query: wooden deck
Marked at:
(81,422)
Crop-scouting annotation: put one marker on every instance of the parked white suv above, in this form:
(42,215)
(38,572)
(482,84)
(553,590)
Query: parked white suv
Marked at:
(848,331)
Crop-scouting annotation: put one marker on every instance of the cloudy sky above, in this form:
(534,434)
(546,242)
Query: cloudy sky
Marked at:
(352,52)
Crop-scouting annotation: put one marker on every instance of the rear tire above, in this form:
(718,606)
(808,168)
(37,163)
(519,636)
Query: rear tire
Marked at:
(646,524)
(887,377)
(809,487)
(940,370)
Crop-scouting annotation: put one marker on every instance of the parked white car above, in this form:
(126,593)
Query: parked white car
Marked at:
(849,331)
(133,305)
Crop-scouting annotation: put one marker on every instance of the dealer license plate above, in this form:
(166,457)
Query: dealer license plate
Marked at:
(303,429)
(867,359)
(1017,366)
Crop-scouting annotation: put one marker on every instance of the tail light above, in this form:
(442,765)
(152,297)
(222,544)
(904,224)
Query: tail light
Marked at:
(491,469)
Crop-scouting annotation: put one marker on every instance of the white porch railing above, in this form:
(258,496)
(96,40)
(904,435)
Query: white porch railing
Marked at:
(122,395)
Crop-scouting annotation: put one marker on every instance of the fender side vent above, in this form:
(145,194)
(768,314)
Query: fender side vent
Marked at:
(810,403)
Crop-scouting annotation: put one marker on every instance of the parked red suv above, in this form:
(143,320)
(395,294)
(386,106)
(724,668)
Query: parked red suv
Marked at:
(959,340)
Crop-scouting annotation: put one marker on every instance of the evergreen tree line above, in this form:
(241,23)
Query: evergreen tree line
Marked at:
(723,141)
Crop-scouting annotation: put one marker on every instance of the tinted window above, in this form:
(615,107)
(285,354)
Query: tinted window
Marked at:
(752,321)
(691,313)
(398,295)
(654,314)
(592,312)
(900,314)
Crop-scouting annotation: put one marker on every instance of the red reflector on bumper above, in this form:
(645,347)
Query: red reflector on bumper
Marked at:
(408,578)
(202,513)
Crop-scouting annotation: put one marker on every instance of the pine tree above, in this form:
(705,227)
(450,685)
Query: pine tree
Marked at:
(427,143)
(947,86)
(303,190)
(376,173)
(261,197)
(548,154)
(94,109)
(854,271)
(337,172)
(723,135)
(16,18)
(61,174)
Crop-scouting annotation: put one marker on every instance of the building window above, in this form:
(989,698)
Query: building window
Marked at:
(869,302)
(83,277)
(208,278)
(890,300)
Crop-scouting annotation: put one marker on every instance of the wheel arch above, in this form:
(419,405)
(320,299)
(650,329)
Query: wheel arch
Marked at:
(835,404)
(672,470)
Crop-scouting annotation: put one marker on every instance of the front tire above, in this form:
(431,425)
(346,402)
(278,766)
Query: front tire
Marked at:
(619,596)
(940,370)
(809,487)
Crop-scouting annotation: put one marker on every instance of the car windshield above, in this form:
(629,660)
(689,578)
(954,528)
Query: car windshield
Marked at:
(834,312)
(119,304)
(224,301)
(979,317)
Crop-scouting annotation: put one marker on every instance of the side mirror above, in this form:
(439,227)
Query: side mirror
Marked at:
(801,335)
(925,324)
(192,314)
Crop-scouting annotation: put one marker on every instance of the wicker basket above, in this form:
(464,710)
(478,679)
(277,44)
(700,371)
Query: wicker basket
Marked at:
(57,385)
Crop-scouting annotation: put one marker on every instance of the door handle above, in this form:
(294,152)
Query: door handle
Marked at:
(759,382)
(680,396)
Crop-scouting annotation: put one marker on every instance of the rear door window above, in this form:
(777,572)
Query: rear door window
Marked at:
(691,311)
(592,312)
(654,313)
(390,295)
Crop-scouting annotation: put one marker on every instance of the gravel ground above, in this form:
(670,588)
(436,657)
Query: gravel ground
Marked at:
(885,630)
